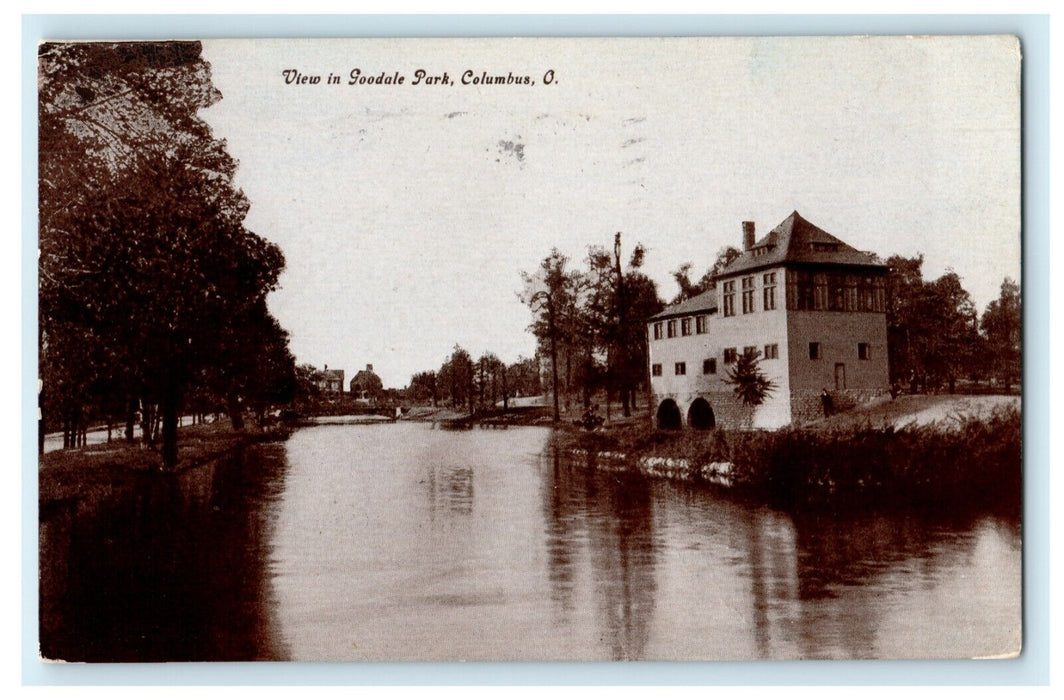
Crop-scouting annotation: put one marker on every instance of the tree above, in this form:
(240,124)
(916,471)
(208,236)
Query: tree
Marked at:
(551,295)
(147,271)
(616,308)
(682,275)
(749,383)
(1002,324)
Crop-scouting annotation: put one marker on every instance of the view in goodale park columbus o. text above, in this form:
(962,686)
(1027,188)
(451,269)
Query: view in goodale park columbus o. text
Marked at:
(356,76)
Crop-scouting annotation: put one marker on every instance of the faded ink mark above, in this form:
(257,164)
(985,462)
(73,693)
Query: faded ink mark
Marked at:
(452,115)
(514,148)
(635,161)
(632,142)
(634,120)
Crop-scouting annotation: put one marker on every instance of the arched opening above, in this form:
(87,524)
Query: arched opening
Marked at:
(700,415)
(669,417)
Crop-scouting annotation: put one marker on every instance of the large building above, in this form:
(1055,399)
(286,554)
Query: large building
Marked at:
(813,310)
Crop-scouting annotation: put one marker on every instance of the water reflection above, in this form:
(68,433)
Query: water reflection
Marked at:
(615,515)
(168,567)
(397,541)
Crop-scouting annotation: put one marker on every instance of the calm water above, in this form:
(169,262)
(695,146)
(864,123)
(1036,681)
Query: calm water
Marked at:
(400,541)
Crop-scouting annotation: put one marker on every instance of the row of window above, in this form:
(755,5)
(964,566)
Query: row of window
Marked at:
(820,291)
(669,328)
(771,352)
(749,294)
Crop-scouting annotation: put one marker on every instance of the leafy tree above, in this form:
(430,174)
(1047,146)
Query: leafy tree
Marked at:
(749,383)
(551,295)
(423,387)
(689,289)
(616,308)
(146,270)
(1002,324)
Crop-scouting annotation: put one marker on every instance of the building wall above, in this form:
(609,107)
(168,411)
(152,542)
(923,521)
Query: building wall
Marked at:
(838,334)
(757,329)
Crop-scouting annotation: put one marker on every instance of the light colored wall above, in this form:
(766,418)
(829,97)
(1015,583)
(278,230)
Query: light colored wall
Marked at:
(759,328)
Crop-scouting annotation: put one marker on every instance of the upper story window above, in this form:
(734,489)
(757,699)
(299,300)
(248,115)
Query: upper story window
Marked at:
(772,351)
(730,355)
(655,369)
(685,326)
(728,298)
(670,327)
(681,368)
(863,352)
(709,366)
(748,295)
(658,330)
(701,324)
(814,351)
(750,351)
(821,291)
(769,292)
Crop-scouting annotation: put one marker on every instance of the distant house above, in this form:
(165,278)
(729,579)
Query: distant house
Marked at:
(811,307)
(332,381)
(366,386)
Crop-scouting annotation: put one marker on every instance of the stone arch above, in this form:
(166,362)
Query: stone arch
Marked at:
(700,415)
(669,416)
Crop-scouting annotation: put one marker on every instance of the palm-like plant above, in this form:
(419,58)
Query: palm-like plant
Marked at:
(750,384)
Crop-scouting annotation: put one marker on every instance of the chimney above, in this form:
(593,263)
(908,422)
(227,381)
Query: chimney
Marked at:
(748,235)
(369,368)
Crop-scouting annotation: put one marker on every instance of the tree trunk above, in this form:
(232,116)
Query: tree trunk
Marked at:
(170,402)
(236,415)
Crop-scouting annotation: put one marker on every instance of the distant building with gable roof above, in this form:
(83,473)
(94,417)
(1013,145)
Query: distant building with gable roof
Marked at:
(811,307)
(366,386)
(331,381)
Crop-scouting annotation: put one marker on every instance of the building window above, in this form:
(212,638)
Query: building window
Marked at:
(730,355)
(772,352)
(681,368)
(769,294)
(657,330)
(814,351)
(709,366)
(748,295)
(863,352)
(729,298)
(655,370)
(750,351)
(685,326)
(701,324)
(671,328)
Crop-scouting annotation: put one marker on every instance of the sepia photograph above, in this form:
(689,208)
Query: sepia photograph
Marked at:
(530,349)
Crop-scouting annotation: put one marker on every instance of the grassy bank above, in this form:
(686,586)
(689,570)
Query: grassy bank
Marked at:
(77,473)
(975,460)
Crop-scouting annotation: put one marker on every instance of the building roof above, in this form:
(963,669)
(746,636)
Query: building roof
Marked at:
(706,302)
(329,374)
(797,241)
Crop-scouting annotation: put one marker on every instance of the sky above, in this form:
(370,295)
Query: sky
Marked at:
(407,213)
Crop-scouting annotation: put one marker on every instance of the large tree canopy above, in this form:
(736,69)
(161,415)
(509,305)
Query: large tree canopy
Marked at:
(149,280)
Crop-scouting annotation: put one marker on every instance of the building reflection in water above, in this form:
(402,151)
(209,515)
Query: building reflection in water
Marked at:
(684,572)
(613,515)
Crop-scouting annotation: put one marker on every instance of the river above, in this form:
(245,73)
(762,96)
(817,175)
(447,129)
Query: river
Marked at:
(405,541)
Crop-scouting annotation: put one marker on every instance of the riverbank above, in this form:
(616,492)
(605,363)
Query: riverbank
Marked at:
(69,474)
(974,459)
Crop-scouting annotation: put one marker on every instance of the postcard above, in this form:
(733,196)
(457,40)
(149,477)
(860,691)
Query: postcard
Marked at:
(553,349)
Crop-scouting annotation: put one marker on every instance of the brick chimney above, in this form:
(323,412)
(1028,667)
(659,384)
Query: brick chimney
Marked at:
(369,368)
(748,235)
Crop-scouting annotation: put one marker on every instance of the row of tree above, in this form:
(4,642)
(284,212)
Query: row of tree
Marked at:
(591,323)
(483,383)
(937,337)
(152,296)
